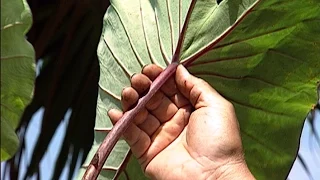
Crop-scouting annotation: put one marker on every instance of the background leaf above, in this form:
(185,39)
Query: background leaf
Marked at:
(17,71)
(264,60)
(65,35)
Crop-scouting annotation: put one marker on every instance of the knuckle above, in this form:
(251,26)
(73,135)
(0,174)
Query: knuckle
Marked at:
(229,105)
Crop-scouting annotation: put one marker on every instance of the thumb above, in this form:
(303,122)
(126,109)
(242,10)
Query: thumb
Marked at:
(196,90)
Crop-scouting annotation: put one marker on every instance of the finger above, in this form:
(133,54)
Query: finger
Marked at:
(114,115)
(140,83)
(179,100)
(137,139)
(166,134)
(161,107)
(169,88)
(199,92)
(171,129)
(129,97)
(155,101)
(141,116)
(150,125)
(153,71)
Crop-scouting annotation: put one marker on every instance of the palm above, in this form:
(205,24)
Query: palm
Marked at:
(186,157)
(175,162)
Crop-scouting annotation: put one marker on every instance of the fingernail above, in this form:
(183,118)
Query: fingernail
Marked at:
(132,75)
(144,67)
(122,92)
(109,112)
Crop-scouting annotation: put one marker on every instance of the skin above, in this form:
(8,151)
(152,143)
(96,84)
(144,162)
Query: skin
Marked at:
(186,131)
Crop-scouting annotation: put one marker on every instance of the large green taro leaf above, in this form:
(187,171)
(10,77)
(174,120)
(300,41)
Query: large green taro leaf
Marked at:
(263,56)
(17,70)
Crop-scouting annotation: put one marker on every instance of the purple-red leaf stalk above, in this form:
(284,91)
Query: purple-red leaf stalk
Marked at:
(118,129)
(121,126)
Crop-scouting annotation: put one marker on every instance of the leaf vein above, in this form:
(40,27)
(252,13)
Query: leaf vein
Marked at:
(214,42)
(12,25)
(110,93)
(130,40)
(171,26)
(263,34)
(8,108)
(116,59)
(285,55)
(12,57)
(261,143)
(180,16)
(242,78)
(258,108)
(196,63)
(160,42)
(152,58)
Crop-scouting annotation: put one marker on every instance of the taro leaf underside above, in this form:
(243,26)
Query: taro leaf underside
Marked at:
(263,56)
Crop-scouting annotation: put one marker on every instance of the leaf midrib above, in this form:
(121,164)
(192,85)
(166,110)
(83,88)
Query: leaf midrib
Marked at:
(208,47)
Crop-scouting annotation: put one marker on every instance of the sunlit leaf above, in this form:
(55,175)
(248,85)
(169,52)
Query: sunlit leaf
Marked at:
(65,35)
(263,56)
(17,71)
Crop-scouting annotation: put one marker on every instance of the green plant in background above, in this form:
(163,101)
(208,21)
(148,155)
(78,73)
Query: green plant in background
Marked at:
(261,55)
(64,35)
(17,71)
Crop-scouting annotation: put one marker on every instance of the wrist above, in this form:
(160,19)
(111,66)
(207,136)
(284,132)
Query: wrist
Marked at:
(232,171)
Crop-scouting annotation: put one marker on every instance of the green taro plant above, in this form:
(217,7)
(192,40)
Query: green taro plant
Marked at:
(64,35)
(262,55)
(17,71)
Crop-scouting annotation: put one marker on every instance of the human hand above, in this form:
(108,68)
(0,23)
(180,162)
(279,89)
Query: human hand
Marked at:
(186,131)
